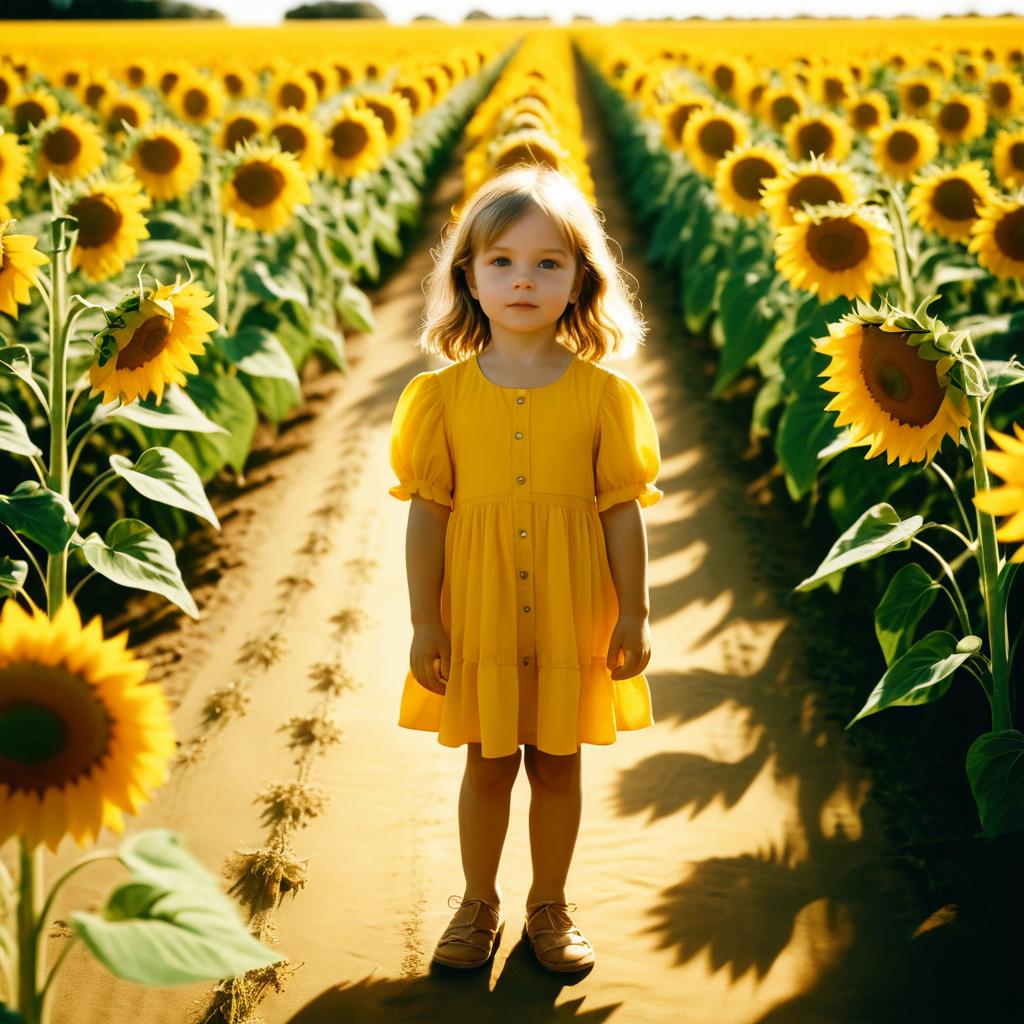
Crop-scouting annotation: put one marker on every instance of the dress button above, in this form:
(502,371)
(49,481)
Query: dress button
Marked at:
(523,574)
(526,661)
(520,400)
(519,435)
(526,608)
(520,479)
(522,533)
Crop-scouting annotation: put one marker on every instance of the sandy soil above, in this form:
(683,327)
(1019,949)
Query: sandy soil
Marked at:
(729,867)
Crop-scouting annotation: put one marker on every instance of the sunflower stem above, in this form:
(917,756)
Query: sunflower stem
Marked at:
(76,867)
(30,960)
(936,468)
(46,993)
(94,487)
(219,255)
(898,217)
(988,570)
(960,605)
(31,557)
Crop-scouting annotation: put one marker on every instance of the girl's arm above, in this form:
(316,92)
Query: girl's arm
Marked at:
(424,558)
(626,543)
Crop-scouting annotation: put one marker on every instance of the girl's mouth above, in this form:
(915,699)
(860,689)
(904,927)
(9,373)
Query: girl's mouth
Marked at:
(522,305)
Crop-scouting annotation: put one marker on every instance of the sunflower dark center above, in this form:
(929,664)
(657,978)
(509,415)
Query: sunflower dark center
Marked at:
(259,183)
(783,108)
(71,79)
(290,137)
(386,115)
(999,93)
(1017,156)
(716,137)
(747,175)
(5,89)
(233,83)
(318,80)
(525,153)
(902,146)
(160,155)
(148,341)
(123,112)
(815,189)
(344,75)
(53,727)
(293,95)
(98,220)
(835,89)
(813,137)
(954,199)
(902,383)
(349,138)
(240,129)
(865,115)
(411,95)
(28,113)
(954,116)
(168,80)
(724,77)
(919,95)
(196,102)
(94,92)
(136,74)
(1009,234)
(678,118)
(837,244)
(61,146)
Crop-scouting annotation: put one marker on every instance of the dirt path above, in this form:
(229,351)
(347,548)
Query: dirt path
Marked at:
(728,867)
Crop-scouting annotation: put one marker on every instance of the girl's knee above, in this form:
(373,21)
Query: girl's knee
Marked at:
(552,770)
(491,772)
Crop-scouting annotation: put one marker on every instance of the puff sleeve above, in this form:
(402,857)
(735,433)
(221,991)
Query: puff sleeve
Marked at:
(419,447)
(628,454)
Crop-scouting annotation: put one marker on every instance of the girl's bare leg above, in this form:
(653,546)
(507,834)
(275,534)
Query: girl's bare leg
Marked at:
(556,804)
(483,819)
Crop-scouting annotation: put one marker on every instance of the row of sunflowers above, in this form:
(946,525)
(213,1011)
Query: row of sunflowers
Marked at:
(280,187)
(846,228)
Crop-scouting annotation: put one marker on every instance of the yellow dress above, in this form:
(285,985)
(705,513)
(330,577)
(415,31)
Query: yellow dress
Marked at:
(528,600)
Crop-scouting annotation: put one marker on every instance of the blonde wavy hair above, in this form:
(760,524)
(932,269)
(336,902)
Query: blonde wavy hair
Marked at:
(601,321)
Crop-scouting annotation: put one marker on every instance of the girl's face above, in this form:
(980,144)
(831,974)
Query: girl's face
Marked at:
(527,276)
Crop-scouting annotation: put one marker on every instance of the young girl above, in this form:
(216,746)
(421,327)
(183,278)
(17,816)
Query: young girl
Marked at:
(527,464)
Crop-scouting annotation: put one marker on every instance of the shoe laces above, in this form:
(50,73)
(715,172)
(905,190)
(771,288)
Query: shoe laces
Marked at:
(554,908)
(472,899)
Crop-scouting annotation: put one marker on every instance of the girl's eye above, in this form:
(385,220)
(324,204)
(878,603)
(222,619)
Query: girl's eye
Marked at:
(549,260)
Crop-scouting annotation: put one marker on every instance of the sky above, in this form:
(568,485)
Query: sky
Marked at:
(399,12)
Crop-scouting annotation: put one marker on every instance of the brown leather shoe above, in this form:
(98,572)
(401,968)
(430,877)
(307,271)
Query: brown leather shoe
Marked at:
(557,943)
(473,934)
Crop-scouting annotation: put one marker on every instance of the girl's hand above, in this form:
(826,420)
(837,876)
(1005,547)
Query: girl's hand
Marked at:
(430,657)
(631,636)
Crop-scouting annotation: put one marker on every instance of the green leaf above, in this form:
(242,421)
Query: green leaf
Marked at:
(40,514)
(995,770)
(257,352)
(13,574)
(354,307)
(922,675)
(170,924)
(699,286)
(167,250)
(878,531)
(911,592)
(134,555)
(14,434)
(17,360)
(163,475)
(331,344)
(1004,373)
(225,400)
(804,430)
(745,324)
(273,286)
(177,411)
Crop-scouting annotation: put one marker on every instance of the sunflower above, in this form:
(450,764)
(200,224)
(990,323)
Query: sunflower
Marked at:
(18,261)
(674,115)
(527,147)
(13,166)
(904,146)
(138,72)
(814,182)
(292,89)
(356,142)
(728,75)
(93,89)
(997,236)
(741,173)
(10,86)
(70,146)
(942,63)
(171,73)
(917,92)
(1008,498)
(394,113)
(239,126)
(946,201)
(300,135)
(961,117)
(110,224)
(836,249)
(710,134)
(161,332)
(416,93)
(892,389)
(825,134)
(130,107)
(70,75)
(264,187)
(1004,94)
(198,98)
(83,738)
(238,81)
(166,160)
(1008,156)
(33,108)
(869,110)
(778,104)
(345,72)
(832,84)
